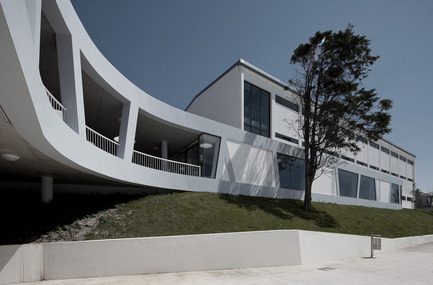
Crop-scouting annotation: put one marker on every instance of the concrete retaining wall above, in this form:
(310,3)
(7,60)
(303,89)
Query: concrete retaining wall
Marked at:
(21,263)
(63,260)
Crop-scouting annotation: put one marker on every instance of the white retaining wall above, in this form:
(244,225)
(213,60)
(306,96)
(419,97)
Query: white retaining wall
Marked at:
(63,260)
(21,263)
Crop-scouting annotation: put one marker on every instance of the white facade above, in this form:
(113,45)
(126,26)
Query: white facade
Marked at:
(84,121)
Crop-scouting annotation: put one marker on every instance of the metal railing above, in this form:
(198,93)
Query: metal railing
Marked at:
(101,141)
(60,109)
(162,164)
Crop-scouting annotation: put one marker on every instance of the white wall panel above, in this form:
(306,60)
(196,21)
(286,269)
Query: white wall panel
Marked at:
(250,165)
(222,101)
(384,191)
(373,156)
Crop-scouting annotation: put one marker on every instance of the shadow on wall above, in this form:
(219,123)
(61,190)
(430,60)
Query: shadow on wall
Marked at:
(283,209)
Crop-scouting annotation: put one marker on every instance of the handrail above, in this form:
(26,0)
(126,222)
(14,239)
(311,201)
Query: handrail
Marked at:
(101,141)
(163,164)
(56,104)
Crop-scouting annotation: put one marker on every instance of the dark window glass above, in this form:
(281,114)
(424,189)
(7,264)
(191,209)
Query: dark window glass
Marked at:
(375,145)
(348,183)
(209,151)
(247,105)
(347,158)
(395,193)
(384,149)
(394,174)
(361,139)
(410,162)
(402,158)
(256,110)
(394,154)
(367,188)
(374,167)
(291,170)
(361,163)
(286,103)
(283,137)
(385,171)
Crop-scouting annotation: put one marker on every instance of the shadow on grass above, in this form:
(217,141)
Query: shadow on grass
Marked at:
(24,218)
(283,208)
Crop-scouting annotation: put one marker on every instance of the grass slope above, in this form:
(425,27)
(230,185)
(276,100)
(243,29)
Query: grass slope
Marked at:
(77,217)
(197,213)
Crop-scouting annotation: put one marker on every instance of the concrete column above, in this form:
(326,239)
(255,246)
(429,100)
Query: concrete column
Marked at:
(128,127)
(164,149)
(71,86)
(46,189)
(34,14)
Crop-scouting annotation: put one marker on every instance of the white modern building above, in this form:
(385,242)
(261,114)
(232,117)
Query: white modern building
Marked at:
(70,118)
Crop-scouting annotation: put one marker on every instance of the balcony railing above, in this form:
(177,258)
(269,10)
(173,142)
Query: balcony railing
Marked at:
(162,164)
(101,141)
(57,106)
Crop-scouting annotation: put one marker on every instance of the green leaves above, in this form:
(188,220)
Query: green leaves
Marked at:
(329,79)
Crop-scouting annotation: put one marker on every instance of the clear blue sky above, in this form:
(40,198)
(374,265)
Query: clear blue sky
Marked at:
(172,49)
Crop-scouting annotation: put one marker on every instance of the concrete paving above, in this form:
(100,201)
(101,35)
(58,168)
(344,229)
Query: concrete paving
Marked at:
(408,266)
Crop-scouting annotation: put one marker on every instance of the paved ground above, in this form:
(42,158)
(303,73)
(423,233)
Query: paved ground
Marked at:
(408,266)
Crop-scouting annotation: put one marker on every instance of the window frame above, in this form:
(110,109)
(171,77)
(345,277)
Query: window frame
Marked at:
(248,124)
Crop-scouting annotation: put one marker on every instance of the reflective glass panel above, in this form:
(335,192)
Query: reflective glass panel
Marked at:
(348,183)
(292,172)
(367,188)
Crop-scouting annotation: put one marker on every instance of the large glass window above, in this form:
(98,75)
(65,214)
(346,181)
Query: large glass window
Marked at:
(348,183)
(292,172)
(286,103)
(367,188)
(395,193)
(256,110)
(209,151)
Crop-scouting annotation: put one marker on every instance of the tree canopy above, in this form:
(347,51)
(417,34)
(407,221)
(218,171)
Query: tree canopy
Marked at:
(338,111)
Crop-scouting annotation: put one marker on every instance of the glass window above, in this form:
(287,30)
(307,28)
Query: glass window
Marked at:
(361,139)
(367,188)
(375,145)
(384,149)
(286,103)
(348,183)
(395,193)
(410,162)
(394,154)
(374,167)
(347,158)
(361,163)
(402,158)
(209,151)
(283,137)
(256,110)
(292,172)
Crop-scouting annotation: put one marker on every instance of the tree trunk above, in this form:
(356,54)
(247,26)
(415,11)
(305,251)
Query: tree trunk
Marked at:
(307,198)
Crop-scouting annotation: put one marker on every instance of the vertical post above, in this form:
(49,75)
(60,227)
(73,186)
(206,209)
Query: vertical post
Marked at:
(71,86)
(128,126)
(164,149)
(164,154)
(46,189)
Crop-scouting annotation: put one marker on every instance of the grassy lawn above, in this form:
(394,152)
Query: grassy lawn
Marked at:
(77,217)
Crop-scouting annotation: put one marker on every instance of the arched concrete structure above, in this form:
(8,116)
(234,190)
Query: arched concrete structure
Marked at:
(82,120)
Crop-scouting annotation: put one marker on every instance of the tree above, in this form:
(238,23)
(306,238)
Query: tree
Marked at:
(337,110)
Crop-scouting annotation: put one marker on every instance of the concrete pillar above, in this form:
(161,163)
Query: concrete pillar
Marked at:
(46,189)
(164,149)
(71,86)
(128,127)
